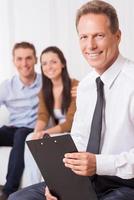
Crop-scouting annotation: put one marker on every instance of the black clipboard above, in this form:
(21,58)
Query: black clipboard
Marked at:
(62,182)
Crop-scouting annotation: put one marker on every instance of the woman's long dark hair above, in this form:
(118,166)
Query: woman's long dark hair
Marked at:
(48,86)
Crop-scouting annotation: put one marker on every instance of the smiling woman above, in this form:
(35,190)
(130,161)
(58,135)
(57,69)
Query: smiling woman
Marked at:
(55,98)
(51,65)
(56,103)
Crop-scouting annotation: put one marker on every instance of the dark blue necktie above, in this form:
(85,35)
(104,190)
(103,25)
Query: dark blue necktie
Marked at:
(96,126)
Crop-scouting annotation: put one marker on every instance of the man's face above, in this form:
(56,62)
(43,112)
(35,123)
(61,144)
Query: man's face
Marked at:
(24,60)
(98,44)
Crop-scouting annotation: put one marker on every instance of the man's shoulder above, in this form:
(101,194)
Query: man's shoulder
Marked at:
(7,82)
(38,78)
(6,88)
(128,69)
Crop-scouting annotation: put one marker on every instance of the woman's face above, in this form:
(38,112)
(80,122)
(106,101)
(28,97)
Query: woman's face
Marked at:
(51,65)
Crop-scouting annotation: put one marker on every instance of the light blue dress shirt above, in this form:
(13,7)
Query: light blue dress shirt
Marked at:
(21,101)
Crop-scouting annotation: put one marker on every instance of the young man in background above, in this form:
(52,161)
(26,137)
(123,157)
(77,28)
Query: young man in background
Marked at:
(20,96)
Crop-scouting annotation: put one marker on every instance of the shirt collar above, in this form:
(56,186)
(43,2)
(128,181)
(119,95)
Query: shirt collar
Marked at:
(22,86)
(19,83)
(110,75)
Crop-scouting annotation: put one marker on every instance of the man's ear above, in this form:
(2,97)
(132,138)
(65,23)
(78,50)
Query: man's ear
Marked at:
(118,36)
(13,60)
(36,60)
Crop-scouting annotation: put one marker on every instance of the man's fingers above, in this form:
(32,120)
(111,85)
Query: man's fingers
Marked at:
(48,195)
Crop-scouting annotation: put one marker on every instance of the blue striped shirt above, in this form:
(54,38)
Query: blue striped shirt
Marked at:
(21,101)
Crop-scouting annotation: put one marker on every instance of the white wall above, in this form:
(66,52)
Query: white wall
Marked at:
(52,22)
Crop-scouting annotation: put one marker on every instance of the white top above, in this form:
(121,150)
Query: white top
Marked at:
(117,139)
(59,116)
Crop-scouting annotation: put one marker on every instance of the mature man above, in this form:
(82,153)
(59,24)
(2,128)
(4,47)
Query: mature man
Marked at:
(19,95)
(104,131)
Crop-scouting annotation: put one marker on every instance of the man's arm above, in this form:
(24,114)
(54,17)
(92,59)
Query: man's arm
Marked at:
(4,92)
(87,164)
(121,165)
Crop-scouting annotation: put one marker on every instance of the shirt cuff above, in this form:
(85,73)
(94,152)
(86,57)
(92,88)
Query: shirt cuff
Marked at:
(105,164)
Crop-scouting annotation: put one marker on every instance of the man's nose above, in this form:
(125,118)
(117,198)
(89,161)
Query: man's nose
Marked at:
(24,62)
(91,44)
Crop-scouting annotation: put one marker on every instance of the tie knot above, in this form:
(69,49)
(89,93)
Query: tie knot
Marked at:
(99,83)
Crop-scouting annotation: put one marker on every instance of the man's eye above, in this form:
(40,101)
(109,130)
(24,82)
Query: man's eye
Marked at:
(100,36)
(83,37)
(29,58)
(19,59)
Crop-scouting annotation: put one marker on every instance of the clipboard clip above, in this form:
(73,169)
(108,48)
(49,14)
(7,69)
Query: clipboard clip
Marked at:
(46,136)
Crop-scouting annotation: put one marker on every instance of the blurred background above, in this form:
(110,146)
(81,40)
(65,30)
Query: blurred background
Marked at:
(52,22)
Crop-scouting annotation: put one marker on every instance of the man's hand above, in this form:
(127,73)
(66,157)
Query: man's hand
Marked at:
(48,195)
(81,163)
